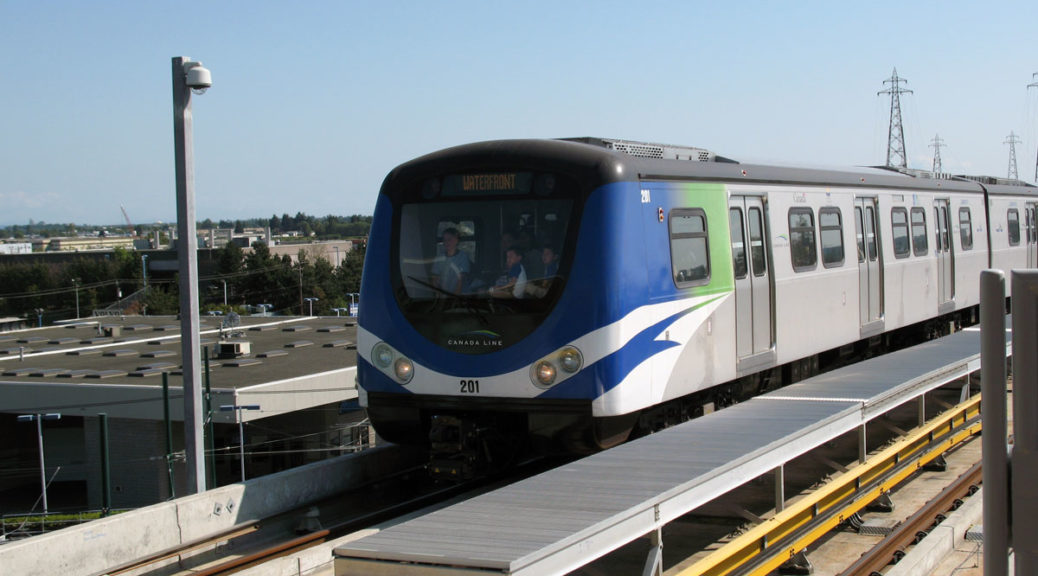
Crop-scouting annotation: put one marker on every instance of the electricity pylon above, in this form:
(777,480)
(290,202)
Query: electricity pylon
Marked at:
(1012,140)
(896,136)
(937,144)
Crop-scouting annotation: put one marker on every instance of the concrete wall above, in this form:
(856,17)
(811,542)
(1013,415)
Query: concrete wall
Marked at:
(98,546)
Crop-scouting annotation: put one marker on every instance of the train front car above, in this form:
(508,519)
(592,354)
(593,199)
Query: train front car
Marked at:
(522,294)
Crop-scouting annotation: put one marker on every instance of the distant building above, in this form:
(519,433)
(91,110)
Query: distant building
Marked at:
(83,244)
(16,248)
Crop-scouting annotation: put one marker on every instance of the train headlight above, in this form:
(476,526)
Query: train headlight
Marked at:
(404,370)
(545,373)
(570,359)
(382,355)
(556,367)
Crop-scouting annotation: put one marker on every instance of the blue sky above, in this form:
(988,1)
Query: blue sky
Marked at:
(314,102)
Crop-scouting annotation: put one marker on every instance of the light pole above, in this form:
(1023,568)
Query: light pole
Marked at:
(39,418)
(224,293)
(188,76)
(75,284)
(144,269)
(311,300)
(241,429)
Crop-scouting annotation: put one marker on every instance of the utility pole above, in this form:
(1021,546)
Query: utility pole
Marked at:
(1029,86)
(896,157)
(937,144)
(1012,140)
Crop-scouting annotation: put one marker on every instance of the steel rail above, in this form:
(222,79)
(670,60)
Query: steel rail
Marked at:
(915,527)
(775,541)
(239,530)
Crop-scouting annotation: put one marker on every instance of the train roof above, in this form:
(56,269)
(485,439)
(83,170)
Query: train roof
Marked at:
(605,160)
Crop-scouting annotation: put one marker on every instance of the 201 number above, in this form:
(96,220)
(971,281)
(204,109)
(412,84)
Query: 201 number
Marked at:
(470,387)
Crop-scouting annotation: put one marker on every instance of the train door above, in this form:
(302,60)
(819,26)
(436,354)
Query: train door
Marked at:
(870,266)
(1031,212)
(754,326)
(945,261)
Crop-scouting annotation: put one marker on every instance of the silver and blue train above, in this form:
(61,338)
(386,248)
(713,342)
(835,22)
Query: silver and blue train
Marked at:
(675,280)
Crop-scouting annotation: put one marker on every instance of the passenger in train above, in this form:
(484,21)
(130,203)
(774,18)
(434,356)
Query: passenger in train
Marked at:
(550,260)
(511,284)
(451,270)
(538,287)
(531,255)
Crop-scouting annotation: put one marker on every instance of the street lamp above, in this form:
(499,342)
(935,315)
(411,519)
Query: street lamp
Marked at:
(144,268)
(189,76)
(75,284)
(241,429)
(311,300)
(39,418)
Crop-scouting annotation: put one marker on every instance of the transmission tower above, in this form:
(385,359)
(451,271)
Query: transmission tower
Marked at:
(896,157)
(1012,140)
(1029,86)
(937,144)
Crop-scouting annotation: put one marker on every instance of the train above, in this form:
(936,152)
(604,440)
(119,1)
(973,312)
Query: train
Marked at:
(568,293)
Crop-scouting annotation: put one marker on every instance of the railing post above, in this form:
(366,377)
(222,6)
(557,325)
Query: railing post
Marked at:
(993,414)
(1024,497)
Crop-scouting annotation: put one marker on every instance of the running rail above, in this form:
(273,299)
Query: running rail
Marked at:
(779,539)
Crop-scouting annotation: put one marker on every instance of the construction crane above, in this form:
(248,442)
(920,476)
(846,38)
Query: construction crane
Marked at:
(133,230)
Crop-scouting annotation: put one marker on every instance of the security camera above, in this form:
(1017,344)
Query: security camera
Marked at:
(198,76)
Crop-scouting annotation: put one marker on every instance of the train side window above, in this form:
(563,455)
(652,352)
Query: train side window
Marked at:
(919,245)
(859,235)
(899,229)
(966,228)
(1014,226)
(689,247)
(802,239)
(760,267)
(870,233)
(738,242)
(830,223)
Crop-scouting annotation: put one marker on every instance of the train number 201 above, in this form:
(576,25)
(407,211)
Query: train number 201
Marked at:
(469,386)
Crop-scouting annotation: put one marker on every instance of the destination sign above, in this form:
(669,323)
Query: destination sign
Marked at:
(488,183)
(481,182)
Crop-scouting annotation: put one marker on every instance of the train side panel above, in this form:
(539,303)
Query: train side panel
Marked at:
(816,307)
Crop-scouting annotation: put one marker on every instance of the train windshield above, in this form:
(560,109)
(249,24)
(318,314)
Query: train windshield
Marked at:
(482,258)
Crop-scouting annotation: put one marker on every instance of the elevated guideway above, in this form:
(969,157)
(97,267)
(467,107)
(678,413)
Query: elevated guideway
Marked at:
(565,518)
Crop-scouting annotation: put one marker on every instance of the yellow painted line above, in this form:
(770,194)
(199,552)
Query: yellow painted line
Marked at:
(845,491)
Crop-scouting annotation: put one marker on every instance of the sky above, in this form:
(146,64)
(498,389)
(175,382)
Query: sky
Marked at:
(314,102)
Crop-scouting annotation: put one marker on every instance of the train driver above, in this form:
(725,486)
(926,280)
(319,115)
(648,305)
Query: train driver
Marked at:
(451,270)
